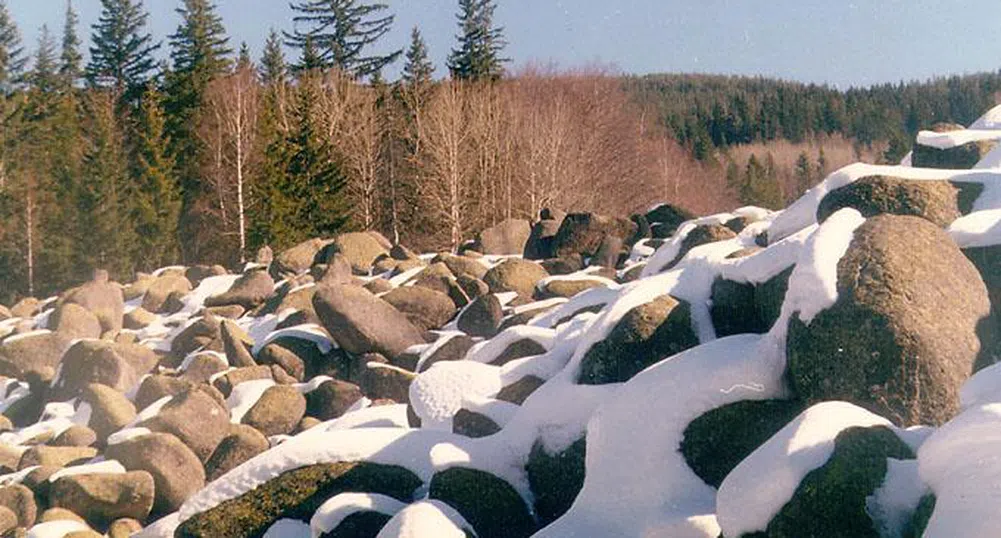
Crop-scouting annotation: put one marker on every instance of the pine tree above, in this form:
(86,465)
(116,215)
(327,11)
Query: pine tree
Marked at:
(341,30)
(12,58)
(121,56)
(273,68)
(44,76)
(70,61)
(418,68)
(157,196)
(480,43)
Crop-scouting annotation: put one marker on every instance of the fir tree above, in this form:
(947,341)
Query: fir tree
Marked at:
(273,68)
(310,61)
(480,43)
(70,60)
(760,186)
(43,75)
(157,196)
(418,68)
(341,30)
(803,172)
(121,56)
(12,58)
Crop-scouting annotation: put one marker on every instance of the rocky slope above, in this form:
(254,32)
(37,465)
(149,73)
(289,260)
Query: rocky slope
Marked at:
(827,370)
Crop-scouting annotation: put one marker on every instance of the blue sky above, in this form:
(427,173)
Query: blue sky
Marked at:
(826,41)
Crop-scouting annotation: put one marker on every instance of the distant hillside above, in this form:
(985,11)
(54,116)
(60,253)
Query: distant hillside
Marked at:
(712,111)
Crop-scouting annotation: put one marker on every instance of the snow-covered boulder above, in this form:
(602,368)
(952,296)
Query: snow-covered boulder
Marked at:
(945,146)
(939,202)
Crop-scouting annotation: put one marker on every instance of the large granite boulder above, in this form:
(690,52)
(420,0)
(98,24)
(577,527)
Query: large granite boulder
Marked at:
(363,323)
(939,202)
(176,470)
(505,238)
(360,249)
(161,288)
(903,335)
(962,157)
(102,298)
(517,275)
(583,233)
(119,366)
(248,291)
(296,260)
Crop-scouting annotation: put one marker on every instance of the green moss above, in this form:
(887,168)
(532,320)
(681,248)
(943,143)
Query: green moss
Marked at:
(491,506)
(297,494)
(556,479)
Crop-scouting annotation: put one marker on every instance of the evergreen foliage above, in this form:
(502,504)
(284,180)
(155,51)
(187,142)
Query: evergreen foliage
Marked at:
(341,30)
(480,43)
(418,68)
(121,54)
(70,59)
(156,200)
(12,57)
(273,66)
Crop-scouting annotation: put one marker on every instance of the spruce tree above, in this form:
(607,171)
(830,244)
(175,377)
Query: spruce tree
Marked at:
(803,172)
(121,54)
(310,183)
(108,239)
(12,58)
(44,74)
(243,60)
(70,60)
(480,43)
(418,68)
(341,30)
(310,61)
(157,193)
(273,68)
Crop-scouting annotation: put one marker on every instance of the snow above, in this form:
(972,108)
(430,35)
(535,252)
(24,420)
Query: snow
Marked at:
(332,512)
(984,387)
(670,249)
(579,276)
(423,519)
(954,139)
(757,489)
(637,479)
(960,464)
(978,229)
(101,467)
(893,503)
(127,433)
(244,396)
(56,529)
(437,394)
(288,528)
(309,331)
(162,528)
(489,350)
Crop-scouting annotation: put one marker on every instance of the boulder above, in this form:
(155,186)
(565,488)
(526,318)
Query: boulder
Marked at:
(138,318)
(203,333)
(264,255)
(75,435)
(101,297)
(158,290)
(515,275)
(295,260)
(520,390)
(20,500)
(715,442)
(119,366)
(55,456)
(555,479)
(58,514)
(454,348)
(277,412)
(669,217)
(939,202)
(103,498)
(425,308)
(645,335)
(739,308)
(525,347)
(461,265)
(236,343)
(582,233)
(176,470)
(26,308)
(195,418)
(243,443)
(962,157)
(539,245)
(567,288)
(482,317)
(124,528)
(703,234)
(233,311)
(248,291)
(384,384)
(609,253)
(157,386)
(489,504)
(832,499)
(34,354)
(203,366)
(472,424)
(363,323)
(297,494)
(360,249)
(505,238)
(197,273)
(225,383)
(902,337)
(563,266)
(300,358)
(74,321)
(332,399)
(438,277)
(110,410)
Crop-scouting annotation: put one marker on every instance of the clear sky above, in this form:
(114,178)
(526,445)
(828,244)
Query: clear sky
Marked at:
(839,42)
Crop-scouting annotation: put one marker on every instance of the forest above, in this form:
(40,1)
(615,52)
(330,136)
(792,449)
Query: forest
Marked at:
(129,163)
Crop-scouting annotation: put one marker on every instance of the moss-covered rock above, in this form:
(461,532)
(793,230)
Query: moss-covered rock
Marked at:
(489,504)
(296,494)
(939,202)
(555,479)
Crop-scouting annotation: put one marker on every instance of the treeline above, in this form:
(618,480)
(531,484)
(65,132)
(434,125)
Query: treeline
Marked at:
(708,112)
(129,165)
